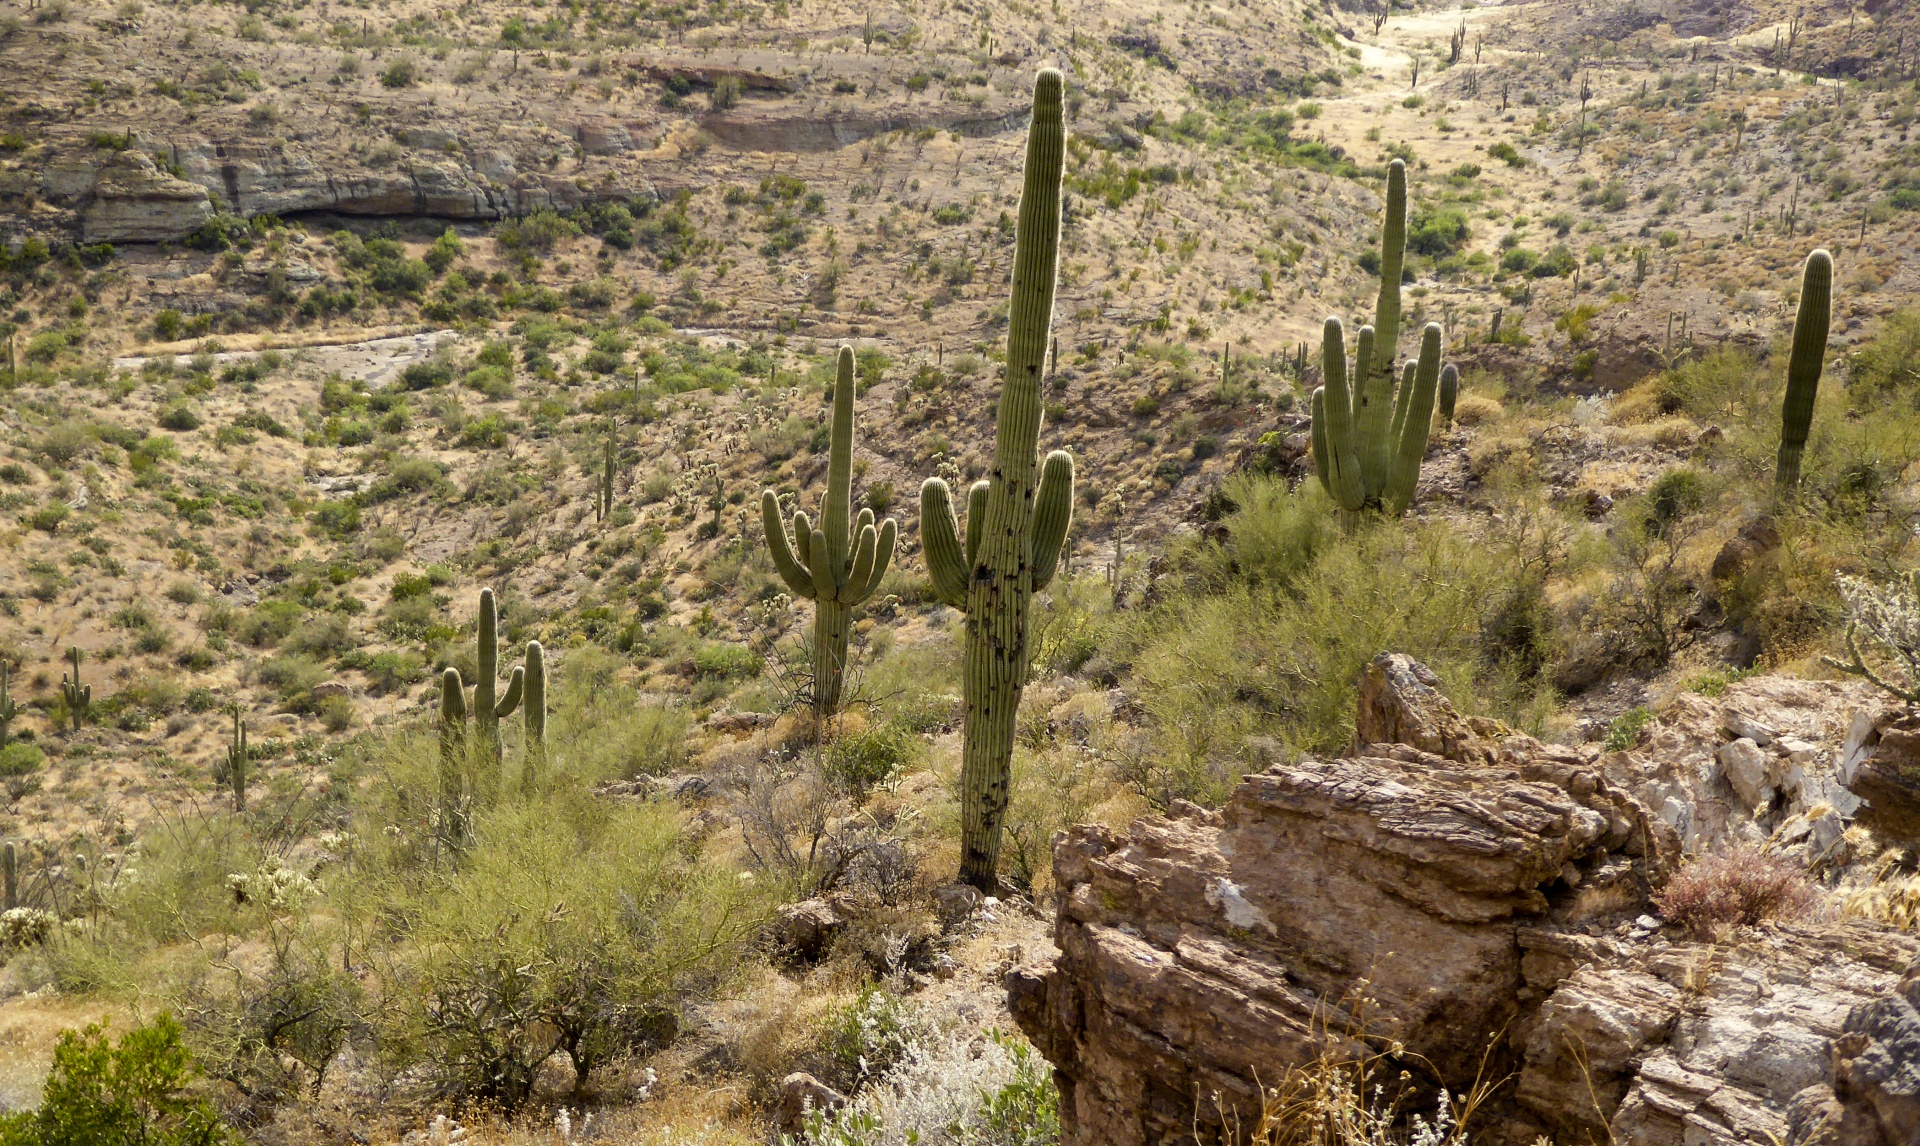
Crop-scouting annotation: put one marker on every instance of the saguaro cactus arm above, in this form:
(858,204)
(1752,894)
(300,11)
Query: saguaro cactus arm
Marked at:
(1808,357)
(515,684)
(947,563)
(1334,411)
(1052,516)
(780,547)
(1416,423)
(976,517)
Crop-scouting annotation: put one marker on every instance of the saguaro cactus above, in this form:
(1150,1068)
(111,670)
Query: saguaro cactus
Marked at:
(488,711)
(833,566)
(10,868)
(1017,519)
(603,503)
(8,709)
(1449,392)
(79,697)
(533,711)
(1393,252)
(1362,463)
(453,755)
(1804,364)
(237,762)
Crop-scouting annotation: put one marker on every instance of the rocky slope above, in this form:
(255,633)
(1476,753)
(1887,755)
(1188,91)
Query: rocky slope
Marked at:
(1448,890)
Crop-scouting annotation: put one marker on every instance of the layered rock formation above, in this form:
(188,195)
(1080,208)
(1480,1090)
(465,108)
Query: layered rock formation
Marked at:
(1461,887)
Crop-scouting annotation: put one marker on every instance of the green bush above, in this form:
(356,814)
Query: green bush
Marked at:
(20,758)
(138,1092)
(720,661)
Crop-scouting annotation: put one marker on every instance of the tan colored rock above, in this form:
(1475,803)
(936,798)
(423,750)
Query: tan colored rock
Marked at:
(133,201)
(801,1094)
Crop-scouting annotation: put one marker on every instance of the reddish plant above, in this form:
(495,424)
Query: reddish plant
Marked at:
(1736,887)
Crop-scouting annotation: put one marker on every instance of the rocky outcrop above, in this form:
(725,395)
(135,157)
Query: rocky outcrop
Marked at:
(130,200)
(1465,887)
(804,130)
(1880,763)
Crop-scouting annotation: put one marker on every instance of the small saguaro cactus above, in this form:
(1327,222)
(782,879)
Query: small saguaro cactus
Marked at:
(453,753)
(1017,519)
(488,711)
(1804,364)
(10,869)
(8,709)
(1449,392)
(237,762)
(1363,463)
(533,711)
(835,566)
(79,697)
(603,504)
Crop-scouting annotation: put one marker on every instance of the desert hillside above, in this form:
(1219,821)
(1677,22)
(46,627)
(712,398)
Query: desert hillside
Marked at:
(404,696)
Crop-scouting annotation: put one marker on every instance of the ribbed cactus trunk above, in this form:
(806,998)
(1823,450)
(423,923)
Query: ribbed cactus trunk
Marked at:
(1804,364)
(533,711)
(1449,392)
(489,707)
(837,564)
(1000,591)
(10,862)
(453,757)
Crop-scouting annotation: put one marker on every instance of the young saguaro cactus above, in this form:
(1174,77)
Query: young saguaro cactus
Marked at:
(603,503)
(1804,364)
(1017,519)
(8,709)
(487,710)
(533,711)
(79,697)
(10,868)
(834,566)
(1449,392)
(1363,464)
(237,762)
(453,754)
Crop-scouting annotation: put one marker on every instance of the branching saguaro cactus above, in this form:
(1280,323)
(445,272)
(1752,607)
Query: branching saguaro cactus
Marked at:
(834,566)
(79,697)
(1017,519)
(237,762)
(1365,464)
(488,710)
(533,711)
(1804,364)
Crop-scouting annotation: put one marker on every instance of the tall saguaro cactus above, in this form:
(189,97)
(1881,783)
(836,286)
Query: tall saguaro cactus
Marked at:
(834,566)
(79,697)
(1017,518)
(1804,364)
(453,755)
(487,710)
(10,870)
(237,762)
(533,710)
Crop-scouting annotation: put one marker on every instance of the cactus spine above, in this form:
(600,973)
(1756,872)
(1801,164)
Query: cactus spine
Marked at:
(533,710)
(10,868)
(1804,364)
(237,762)
(828,563)
(1449,392)
(79,697)
(1017,519)
(8,709)
(488,711)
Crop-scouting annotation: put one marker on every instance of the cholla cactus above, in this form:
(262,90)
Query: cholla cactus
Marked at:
(22,927)
(1890,616)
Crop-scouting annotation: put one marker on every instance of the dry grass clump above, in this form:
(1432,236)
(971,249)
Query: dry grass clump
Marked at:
(1476,410)
(1893,898)
(1740,887)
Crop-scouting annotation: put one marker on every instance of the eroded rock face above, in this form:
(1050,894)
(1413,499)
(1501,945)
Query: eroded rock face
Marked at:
(1202,951)
(130,200)
(1479,885)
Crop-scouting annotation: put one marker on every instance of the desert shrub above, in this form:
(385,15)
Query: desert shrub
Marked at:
(1739,887)
(867,1037)
(983,1089)
(273,1030)
(138,1092)
(861,760)
(721,661)
(20,758)
(1269,640)
(1887,368)
(494,990)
